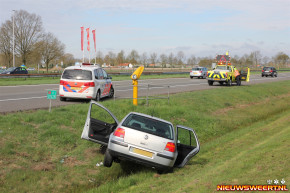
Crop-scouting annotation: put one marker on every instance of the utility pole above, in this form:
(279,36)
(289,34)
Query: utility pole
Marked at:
(13,40)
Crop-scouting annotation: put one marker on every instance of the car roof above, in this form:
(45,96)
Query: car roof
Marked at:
(84,67)
(151,117)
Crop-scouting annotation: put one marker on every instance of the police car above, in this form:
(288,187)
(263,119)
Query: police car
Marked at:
(86,82)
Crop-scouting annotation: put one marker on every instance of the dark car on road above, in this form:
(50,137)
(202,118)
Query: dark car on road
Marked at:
(269,71)
(15,70)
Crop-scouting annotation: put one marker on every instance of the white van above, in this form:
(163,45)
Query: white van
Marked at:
(86,82)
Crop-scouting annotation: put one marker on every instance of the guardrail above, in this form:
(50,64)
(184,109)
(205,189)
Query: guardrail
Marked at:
(111,73)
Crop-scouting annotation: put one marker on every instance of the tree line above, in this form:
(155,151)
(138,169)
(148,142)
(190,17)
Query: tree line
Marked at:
(35,46)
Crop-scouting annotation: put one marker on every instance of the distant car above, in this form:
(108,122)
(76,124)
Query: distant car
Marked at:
(269,71)
(15,70)
(199,72)
(31,69)
(85,82)
(141,138)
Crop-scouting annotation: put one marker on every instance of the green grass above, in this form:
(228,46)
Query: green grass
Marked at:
(55,80)
(243,131)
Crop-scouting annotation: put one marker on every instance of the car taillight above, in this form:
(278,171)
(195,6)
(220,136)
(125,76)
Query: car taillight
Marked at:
(191,71)
(62,82)
(263,71)
(119,132)
(271,70)
(200,71)
(90,84)
(170,147)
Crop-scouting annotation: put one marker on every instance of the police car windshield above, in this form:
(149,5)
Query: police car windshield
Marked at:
(77,74)
(149,125)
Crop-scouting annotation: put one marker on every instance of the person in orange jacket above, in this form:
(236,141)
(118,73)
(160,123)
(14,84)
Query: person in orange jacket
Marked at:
(238,76)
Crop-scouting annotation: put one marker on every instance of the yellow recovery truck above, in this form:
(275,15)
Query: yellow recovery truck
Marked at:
(224,72)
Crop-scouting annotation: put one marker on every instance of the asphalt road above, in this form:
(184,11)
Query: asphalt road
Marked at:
(29,97)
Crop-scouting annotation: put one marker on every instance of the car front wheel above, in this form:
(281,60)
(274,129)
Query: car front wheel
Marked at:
(98,96)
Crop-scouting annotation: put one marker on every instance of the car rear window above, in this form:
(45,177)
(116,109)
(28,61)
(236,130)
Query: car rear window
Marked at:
(267,68)
(196,69)
(149,125)
(77,74)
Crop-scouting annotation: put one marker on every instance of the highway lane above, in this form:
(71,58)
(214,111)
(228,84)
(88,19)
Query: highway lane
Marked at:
(28,97)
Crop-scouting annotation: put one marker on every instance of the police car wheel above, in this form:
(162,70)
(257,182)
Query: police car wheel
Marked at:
(98,97)
(111,94)
(108,160)
(62,99)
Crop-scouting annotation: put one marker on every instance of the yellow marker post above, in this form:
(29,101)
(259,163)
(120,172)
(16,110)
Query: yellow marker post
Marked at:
(135,76)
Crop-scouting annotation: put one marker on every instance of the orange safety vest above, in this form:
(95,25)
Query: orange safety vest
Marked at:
(237,73)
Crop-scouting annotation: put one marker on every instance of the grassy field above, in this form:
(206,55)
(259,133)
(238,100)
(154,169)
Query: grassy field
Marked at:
(55,80)
(244,134)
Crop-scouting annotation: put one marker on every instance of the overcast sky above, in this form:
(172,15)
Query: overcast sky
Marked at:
(198,27)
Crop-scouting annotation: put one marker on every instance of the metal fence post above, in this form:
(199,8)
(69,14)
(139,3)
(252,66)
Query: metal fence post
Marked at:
(147,94)
(168,94)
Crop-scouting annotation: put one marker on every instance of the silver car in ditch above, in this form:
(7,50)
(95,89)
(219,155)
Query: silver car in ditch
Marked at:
(140,138)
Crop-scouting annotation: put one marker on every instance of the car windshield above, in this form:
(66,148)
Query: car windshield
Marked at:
(149,125)
(10,69)
(267,68)
(221,68)
(77,74)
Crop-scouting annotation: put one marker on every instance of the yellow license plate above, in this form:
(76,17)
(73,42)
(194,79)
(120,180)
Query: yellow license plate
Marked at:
(195,73)
(76,88)
(216,79)
(142,152)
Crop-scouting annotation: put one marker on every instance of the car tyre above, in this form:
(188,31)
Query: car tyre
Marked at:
(210,83)
(229,83)
(204,76)
(108,159)
(62,98)
(111,93)
(221,83)
(191,77)
(98,96)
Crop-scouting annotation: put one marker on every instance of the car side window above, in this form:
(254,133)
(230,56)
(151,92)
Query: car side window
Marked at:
(96,74)
(100,74)
(105,74)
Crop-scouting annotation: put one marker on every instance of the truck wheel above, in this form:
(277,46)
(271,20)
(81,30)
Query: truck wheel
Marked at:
(210,83)
(108,160)
(221,83)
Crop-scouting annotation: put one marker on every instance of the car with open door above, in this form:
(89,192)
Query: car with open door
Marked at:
(140,138)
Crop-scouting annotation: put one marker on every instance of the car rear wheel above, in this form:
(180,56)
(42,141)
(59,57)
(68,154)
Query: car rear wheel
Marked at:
(108,160)
(98,96)
(210,83)
(191,77)
(229,83)
(62,98)
(111,93)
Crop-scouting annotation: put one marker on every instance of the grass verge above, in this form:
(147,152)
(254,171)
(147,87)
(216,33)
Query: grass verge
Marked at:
(243,131)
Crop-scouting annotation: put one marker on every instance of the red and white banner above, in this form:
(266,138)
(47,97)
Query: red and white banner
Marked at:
(88,38)
(82,38)
(94,37)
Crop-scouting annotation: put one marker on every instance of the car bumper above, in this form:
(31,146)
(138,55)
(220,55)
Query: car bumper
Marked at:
(267,73)
(196,74)
(88,94)
(124,150)
(217,79)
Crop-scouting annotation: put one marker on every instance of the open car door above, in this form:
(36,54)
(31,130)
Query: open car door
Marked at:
(100,123)
(187,145)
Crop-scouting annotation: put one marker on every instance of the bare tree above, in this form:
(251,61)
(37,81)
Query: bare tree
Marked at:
(256,57)
(100,58)
(6,41)
(153,58)
(28,31)
(163,60)
(133,57)
(191,61)
(50,48)
(180,58)
(281,59)
(68,59)
(120,57)
(171,59)
(112,57)
(144,59)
